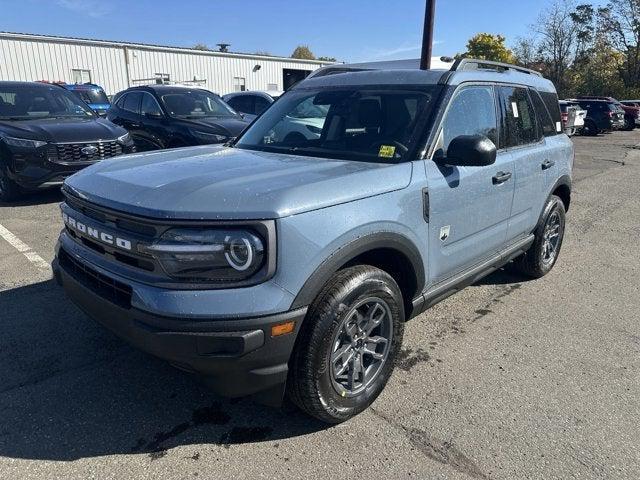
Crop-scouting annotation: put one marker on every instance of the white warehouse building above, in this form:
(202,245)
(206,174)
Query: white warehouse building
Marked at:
(118,65)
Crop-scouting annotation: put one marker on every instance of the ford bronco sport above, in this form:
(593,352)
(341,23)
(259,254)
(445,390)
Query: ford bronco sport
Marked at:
(289,264)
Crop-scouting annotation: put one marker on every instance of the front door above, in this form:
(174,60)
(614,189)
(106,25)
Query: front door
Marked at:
(469,207)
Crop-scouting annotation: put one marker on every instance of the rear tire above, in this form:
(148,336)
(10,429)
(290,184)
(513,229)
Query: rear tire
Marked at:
(346,348)
(9,190)
(590,129)
(543,253)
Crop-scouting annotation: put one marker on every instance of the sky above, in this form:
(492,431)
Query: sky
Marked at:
(350,30)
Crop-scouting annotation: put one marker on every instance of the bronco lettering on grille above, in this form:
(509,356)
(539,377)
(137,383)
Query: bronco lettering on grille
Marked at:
(88,231)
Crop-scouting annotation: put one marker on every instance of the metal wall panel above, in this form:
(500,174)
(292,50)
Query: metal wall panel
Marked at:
(31,57)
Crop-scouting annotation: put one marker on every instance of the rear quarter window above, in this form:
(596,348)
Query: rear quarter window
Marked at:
(549,127)
(551,101)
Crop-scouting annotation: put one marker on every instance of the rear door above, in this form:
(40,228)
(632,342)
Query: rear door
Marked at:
(531,156)
(469,207)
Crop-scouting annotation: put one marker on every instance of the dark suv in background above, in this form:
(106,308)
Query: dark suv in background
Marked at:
(630,114)
(164,116)
(47,133)
(602,116)
(251,104)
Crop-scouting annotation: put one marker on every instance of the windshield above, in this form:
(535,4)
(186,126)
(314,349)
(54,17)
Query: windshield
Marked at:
(93,96)
(24,102)
(353,123)
(196,104)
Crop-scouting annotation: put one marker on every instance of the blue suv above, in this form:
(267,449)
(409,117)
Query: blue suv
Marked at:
(284,264)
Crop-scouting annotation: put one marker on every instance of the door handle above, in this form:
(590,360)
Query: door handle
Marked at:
(548,164)
(501,177)
(134,125)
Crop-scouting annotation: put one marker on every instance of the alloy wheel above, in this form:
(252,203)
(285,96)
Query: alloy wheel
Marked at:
(551,238)
(361,346)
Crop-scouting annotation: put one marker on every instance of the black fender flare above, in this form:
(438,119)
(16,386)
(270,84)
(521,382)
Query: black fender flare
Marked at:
(564,180)
(346,253)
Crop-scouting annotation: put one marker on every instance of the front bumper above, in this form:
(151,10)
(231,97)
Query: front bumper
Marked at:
(238,357)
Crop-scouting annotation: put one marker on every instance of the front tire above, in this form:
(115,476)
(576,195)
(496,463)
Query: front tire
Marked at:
(9,190)
(543,253)
(345,352)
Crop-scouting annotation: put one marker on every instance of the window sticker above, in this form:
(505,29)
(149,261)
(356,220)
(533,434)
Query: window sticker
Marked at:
(387,151)
(514,107)
(559,126)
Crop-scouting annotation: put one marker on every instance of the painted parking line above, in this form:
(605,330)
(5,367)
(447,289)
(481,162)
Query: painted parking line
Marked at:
(24,249)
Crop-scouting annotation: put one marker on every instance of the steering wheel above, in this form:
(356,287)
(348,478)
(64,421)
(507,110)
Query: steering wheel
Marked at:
(399,146)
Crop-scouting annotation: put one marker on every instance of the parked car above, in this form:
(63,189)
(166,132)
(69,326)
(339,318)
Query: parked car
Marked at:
(46,134)
(602,116)
(251,103)
(272,265)
(634,104)
(569,114)
(305,123)
(573,117)
(631,114)
(167,116)
(91,94)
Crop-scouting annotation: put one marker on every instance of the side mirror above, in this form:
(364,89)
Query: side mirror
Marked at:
(471,151)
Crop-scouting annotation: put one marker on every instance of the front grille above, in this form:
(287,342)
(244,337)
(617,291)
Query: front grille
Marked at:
(73,152)
(102,285)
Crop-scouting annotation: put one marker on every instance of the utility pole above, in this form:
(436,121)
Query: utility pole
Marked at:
(427,35)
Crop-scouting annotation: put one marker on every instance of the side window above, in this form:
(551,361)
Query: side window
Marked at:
(150,106)
(471,112)
(519,118)
(132,102)
(261,105)
(120,102)
(544,119)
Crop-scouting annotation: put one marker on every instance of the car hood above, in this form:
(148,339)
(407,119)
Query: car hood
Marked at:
(213,182)
(229,126)
(59,130)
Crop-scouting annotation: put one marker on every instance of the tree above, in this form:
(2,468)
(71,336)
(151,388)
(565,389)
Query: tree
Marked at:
(621,19)
(327,59)
(200,46)
(486,46)
(525,52)
(556,29)
(303,52)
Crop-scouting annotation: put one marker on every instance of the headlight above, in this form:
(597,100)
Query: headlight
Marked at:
(125,139)
(23,142)
(209,255)
(209,137)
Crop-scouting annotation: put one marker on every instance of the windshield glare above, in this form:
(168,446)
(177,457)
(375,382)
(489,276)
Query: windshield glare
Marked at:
(354,123)
(24,102)
(196,104)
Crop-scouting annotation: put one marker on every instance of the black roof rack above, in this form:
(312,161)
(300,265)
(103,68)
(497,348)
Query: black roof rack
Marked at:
(463,64)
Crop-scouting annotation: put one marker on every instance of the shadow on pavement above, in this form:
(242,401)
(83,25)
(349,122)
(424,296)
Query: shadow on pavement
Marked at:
(70,389)
(40,197)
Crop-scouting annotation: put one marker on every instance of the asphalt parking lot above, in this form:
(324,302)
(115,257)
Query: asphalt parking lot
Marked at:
(509,379)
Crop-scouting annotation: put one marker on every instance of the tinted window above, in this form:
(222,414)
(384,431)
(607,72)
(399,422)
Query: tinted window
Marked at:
(132,102)
(195,104)
(550,100)
(261,105)
(242,104)
(92,96)
(519,118)
(22,102)
(150,105)
(544,119)
(471,112)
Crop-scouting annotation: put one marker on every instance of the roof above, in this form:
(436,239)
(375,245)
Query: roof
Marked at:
(29,84)
(408,72)
(149,46)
